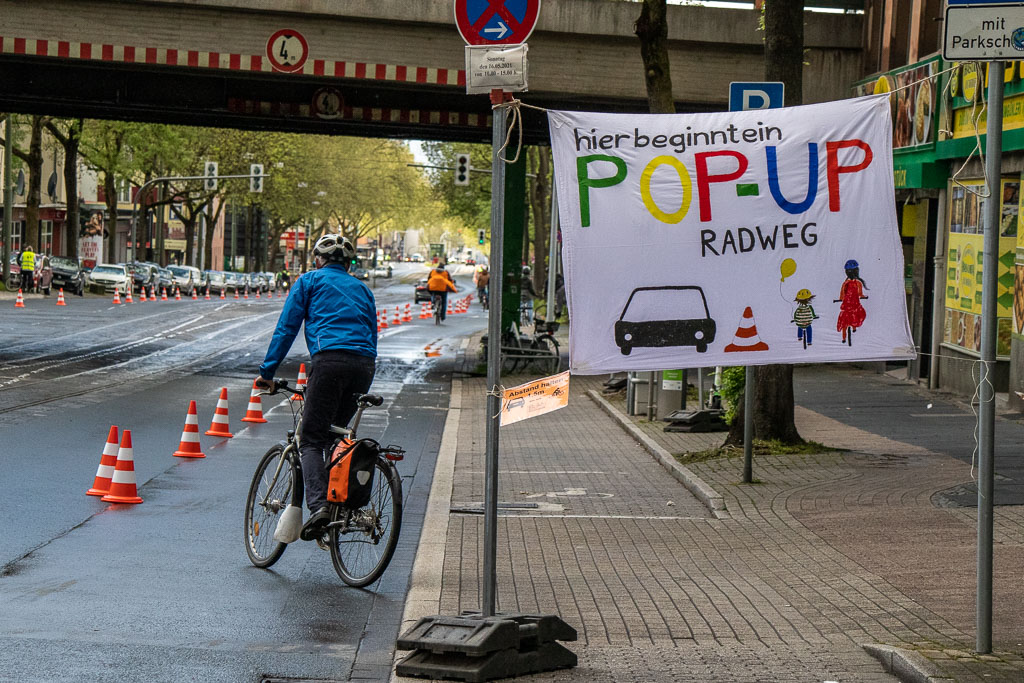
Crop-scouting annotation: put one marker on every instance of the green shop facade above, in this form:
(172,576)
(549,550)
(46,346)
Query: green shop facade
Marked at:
(938,127)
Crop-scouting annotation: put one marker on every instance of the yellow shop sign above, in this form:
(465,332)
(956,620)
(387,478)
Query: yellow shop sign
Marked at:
(1013,118)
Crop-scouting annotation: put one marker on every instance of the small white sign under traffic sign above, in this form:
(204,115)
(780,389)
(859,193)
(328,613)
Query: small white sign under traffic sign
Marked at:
(984,32)
(496,67)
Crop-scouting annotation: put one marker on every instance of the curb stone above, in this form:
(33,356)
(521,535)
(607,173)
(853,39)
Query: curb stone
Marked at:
(694,484)
(907,665)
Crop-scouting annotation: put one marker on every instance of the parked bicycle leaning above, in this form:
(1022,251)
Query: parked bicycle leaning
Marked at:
(340,318)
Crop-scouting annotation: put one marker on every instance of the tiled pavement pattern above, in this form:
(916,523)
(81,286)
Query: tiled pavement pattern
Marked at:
(881,562)
(658,589)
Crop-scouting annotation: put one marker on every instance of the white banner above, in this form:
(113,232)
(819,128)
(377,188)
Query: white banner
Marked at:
(732,238)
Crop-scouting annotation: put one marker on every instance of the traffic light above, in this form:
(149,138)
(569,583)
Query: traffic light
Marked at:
(462,169)
(256,178)
(481,235)
(210,171)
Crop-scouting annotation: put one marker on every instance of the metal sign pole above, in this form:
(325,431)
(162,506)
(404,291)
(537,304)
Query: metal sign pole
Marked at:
(490,577)
(552,254)
(986,401)
(748,425)
(8,196)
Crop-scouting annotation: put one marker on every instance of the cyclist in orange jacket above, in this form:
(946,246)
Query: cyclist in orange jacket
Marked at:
(439,282)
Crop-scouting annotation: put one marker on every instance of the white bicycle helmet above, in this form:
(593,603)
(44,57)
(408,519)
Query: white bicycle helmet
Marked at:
(334,248)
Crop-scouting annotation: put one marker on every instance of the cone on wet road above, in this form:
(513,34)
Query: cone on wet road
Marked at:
(105,472)
(20,301)
(163,294)
(300,383)
(177,294)
(60,298)
(117,295)
(219,425)
(122,484)
(188,447)
(254,411)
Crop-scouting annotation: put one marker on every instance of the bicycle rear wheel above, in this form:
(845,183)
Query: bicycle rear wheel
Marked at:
(546,342)
(275,485)
(361,552)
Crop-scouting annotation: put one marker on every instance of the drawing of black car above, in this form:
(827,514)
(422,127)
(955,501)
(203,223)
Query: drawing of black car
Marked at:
(665,316)
(515,403)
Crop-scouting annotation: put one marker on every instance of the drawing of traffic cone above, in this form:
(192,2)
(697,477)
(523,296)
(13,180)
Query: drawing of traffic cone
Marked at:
(219,425)
(163,294)
(254,411)
(177,294)
(188,447)
(746,338)
(122,484)
(105,472)
(117,295)
(20,301)
(301,383)
(60,297)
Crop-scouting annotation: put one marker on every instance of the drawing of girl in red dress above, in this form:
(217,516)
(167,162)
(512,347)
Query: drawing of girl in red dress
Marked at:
(851,312)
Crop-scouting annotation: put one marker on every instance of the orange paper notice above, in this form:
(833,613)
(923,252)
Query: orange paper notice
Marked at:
(535,398)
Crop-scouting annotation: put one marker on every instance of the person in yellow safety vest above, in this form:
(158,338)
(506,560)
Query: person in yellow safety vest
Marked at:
(28,268)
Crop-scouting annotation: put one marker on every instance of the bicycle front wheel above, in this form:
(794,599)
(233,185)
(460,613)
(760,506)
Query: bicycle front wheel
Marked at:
(275,485)
(362,546)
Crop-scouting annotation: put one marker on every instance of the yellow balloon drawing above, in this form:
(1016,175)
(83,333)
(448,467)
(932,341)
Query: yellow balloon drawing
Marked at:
(787,268)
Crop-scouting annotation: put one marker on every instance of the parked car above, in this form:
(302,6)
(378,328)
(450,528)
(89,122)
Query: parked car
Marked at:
(109,276)
(360,273)
(416,258)
(41,279)
(67,275)
(258,282)
(271,279)
(186,278)
(144,275)
(165,279)
(216,281)
(382,270)
(235,282)
(421,294)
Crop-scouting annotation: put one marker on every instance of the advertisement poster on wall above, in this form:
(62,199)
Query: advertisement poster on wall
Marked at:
(964,264)
(731,238)
(913,105)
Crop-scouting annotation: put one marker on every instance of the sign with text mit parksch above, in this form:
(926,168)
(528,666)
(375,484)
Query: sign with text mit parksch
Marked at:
(730,238)
(984,31)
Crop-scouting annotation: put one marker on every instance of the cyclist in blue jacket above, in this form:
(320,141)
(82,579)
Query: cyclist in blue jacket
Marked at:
(340,317)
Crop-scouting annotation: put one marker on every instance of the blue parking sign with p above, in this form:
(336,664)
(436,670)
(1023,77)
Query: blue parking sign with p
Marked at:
(756,95)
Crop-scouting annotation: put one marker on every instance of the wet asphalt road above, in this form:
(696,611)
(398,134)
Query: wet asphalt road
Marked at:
(163,590)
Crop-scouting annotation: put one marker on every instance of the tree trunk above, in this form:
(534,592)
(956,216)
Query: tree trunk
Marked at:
(110,198)
(784,46)
(773,408)
(652,29)
(190,236)
(210,227)
(35,181)
(71,219)
(540,205)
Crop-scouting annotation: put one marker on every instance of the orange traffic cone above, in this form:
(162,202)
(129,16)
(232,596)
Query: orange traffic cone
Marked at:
(423,312)
(128,296)
(152,293)
(254,411)
(746,338)
(163,294)
(117,295)
(20,301)
(246,295)
(60,298)
(195,297)
(407,315)
(449,311)
(188,447)
(257,294)
(206,297)
(222,297)
(177,294)
(105,472)
(397,319)
(236,293)
(300,383)
(219,426)
(122,484)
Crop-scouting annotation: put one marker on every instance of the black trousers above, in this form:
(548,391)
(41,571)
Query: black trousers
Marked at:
(27,277)
(336,379)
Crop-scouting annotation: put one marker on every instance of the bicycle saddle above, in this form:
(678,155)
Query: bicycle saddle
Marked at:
(370,399)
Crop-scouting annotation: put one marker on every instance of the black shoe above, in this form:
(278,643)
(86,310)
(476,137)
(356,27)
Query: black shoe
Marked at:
(315,524)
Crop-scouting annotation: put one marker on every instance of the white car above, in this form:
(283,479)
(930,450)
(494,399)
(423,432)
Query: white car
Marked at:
(186,278)
(382,270)
(109,276)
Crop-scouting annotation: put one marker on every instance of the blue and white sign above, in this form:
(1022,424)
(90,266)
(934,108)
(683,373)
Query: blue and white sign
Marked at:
(764,95)
(496,22)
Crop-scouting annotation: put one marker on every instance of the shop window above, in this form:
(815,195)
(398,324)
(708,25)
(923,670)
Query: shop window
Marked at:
(16,233)
(46,236)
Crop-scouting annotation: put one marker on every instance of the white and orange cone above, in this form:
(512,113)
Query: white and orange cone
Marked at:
(163,294)
(257,293)
(117,295)
(20,301)
(206,297)
(152,293)
(407,315)
(189,445)
(219,425)
(122,484)
(177,294)
(105,472)
(300,383)
(397,319)
(254,411)
(128,295)
(60,298)
(382,320)
(746,337)
(236,293)
(195,297)
(222,297)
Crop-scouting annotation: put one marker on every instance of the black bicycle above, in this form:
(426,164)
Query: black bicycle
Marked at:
(361,541)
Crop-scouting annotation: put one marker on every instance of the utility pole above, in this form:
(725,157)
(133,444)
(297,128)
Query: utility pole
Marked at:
(8,198)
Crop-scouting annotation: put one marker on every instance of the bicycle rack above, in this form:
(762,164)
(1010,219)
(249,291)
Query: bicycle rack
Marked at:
(476,648)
